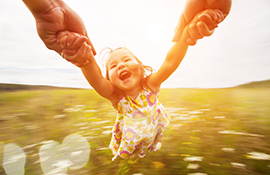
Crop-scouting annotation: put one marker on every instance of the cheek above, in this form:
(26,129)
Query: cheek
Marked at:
(111,75)
(135,67)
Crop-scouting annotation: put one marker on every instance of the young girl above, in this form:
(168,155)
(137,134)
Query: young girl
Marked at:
(133,89)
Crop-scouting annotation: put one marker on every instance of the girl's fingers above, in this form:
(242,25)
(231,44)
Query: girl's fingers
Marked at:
(78,42)
(81,57)
(84,54)
(88,56)
(60,35)
(69,52)
(71,39)
(191,41)
(65,38)
(62,41)
(75,40)
(88,41)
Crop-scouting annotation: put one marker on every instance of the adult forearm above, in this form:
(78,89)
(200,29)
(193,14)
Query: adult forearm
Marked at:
(93,75)
(174,57)
(223,5)
(42,6)
(193,7)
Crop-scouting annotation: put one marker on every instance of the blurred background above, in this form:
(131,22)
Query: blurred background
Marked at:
(218,128)
(238,51)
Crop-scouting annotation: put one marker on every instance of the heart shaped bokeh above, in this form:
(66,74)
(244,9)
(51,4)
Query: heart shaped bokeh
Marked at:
(13,159)
(56,158)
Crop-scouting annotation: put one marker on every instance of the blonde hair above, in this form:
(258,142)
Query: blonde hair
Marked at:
(105,53)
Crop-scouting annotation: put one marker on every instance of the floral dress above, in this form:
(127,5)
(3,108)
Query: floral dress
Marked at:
(139,125)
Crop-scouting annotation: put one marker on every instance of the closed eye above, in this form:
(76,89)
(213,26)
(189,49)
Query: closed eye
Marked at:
(112,66)
(126,60)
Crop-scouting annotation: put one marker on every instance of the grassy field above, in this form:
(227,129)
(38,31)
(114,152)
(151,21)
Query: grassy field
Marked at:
(212,131)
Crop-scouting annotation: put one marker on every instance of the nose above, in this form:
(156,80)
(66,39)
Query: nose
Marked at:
(121,65)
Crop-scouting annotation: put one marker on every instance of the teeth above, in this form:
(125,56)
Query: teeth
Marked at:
(124,75)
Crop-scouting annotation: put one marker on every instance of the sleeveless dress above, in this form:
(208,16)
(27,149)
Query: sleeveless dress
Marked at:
(139,125)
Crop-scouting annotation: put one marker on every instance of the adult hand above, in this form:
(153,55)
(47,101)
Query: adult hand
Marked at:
(192,8)
(53,16)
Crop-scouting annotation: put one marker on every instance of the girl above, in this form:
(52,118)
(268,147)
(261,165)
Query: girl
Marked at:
(133,88)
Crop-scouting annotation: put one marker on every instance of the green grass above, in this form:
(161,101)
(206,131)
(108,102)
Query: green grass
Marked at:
(198,116)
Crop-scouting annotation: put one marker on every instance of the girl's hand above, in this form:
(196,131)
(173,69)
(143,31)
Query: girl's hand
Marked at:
(70,40)
(71,43)
(82,56)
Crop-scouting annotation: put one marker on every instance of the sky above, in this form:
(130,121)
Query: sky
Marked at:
(237,53)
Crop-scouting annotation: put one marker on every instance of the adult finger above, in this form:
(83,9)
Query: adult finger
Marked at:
(79,59)
(69,52)
(88,41)
(194,32)
(220,15)
(205,18)
(77,42)
(191,41)
(213,14)
(84,54)
(203,29)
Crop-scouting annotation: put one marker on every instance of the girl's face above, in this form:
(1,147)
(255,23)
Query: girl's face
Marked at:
(124,71)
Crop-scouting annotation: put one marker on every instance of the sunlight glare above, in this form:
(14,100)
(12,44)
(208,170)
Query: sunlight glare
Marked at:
(155,32)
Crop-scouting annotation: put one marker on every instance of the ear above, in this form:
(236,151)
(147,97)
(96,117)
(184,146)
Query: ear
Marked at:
(143,76)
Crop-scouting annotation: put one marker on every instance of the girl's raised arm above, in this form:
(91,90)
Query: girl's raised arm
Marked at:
(94,76)
(177,52)
(173,58)
(75,49)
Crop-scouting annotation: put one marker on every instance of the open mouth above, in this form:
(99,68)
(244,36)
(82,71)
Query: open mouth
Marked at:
(124,75)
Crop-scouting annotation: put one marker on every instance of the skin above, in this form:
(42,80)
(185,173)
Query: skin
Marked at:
(192,8)
(196,30)
(119,62)
(122,60)
(54,16)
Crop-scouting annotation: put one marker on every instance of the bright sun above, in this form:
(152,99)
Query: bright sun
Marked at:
(155,32)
